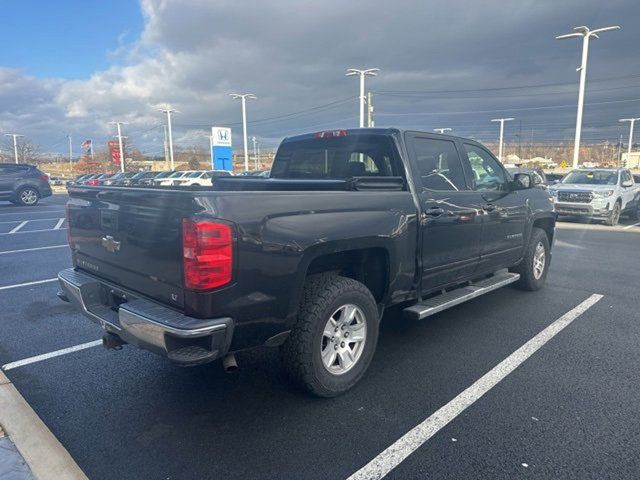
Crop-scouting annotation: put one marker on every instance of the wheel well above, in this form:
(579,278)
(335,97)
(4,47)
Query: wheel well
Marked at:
(369,266)
(546,224)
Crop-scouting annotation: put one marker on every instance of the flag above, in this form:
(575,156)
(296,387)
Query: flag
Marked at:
(86,144)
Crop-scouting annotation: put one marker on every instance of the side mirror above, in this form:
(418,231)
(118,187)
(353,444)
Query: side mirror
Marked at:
(522,181)
(555,182)
(627,184)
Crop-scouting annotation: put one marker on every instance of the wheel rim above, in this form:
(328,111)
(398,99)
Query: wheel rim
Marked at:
(343,339)
(29,197)
(539,257)
(616,214)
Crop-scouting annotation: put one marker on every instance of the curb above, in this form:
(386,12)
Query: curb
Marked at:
(44,454)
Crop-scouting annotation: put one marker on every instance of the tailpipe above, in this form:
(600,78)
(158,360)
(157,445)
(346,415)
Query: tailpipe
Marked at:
(112,342)
(229,363)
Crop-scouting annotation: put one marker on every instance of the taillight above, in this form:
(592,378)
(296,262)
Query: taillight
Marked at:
(43,178)
(330,134)
(67,215)
(93,182)
(207,252)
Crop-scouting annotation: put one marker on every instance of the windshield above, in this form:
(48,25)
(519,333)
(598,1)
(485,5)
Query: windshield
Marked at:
(336,157)
(176,175)
(193,174)
(592,177)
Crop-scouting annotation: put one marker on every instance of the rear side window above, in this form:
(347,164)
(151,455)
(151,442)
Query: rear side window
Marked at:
(439,164)
(337,158)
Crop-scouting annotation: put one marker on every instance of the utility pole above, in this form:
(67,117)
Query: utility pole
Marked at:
(372,72)
(243,97)
(168,110)
(370,122)
(70,151)
(120,137)
(255,153)
(632,122)
(15,143)
(586,34)
(501,120)
(442,130)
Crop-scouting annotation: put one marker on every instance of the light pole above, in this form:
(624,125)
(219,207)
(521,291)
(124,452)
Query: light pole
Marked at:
(586,34)
(501,120)
(120,137)
(15,143)
(372,72)
(243,97)
(441,130)
(255,153)
(168,110)
(632,122)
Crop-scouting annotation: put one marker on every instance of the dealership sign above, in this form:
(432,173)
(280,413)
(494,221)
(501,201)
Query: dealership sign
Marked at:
(221,136)
(114,149)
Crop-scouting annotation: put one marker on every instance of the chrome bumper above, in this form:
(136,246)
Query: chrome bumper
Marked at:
(146,324)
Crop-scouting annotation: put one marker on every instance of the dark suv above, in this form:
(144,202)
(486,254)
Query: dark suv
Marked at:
(23,184)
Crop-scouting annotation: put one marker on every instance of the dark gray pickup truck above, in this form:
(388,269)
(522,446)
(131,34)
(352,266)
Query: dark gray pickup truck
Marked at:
(349,223)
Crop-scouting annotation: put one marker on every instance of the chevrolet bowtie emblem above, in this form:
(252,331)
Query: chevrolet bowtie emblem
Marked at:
(110,244)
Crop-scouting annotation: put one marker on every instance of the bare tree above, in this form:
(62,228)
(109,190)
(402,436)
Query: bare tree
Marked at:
(28,152)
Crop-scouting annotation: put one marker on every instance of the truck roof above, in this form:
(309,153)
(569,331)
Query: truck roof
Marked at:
(371,131)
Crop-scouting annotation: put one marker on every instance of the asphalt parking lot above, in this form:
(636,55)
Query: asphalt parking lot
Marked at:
(570,410)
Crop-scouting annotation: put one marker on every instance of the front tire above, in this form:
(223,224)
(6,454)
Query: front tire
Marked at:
(534,266)
(614,215)
(333,341)
(27,197)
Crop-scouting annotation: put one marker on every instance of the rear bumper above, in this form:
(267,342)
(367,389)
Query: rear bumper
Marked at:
(147,325)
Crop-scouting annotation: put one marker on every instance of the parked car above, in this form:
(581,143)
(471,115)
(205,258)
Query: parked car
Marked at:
(636,178)
(140,178)
(23,184)
(168,180)
(98,179)
(349,223)
(192,178)
(118,178)
(601,194)
(78,179)
(57,181)
(86,178)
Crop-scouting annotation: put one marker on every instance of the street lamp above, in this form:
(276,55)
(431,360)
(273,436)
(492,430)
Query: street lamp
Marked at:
(372,72)
(501,120)
(15,143)
(243,97)
(168,110)
(586,34)
(632,122)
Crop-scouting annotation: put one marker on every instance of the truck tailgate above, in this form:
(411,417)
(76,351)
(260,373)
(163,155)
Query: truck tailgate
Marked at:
(131,237)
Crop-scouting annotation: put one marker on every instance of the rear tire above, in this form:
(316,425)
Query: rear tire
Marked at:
(614,215)
(27,197)
(534,266)
(333,341)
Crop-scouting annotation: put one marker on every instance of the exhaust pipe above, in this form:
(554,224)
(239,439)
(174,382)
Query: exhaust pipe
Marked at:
(112,342)
(229,363)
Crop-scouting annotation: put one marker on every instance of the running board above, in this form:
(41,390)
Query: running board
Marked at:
(460,295)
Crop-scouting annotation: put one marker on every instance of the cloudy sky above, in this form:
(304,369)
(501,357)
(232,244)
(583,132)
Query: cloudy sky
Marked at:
(455,64)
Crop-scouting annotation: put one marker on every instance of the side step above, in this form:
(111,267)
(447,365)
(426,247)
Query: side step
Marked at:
(460,295)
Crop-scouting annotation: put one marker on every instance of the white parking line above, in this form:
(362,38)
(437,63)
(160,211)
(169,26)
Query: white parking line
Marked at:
(34,231)
(631,226)
(59,224)
(415,438)
(37,282)
(40,212)
(18,227)
(46,356)
(32,220)
(33,249)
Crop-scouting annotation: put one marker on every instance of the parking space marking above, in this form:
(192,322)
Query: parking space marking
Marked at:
(18,227)
(416,437)
(33,220)
(34,231)
(631,226)
(37,282)
(32,249)
(46,356)
(32,212)
(59,224)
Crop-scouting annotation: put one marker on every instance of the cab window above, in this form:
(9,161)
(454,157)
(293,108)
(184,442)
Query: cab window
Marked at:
(487,173)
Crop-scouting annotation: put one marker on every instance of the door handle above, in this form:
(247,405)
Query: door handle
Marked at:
(434,212)
(489,207)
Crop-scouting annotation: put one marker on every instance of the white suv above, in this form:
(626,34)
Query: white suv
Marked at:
(598,193)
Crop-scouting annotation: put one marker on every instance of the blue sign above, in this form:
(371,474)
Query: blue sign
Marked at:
(222,158)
